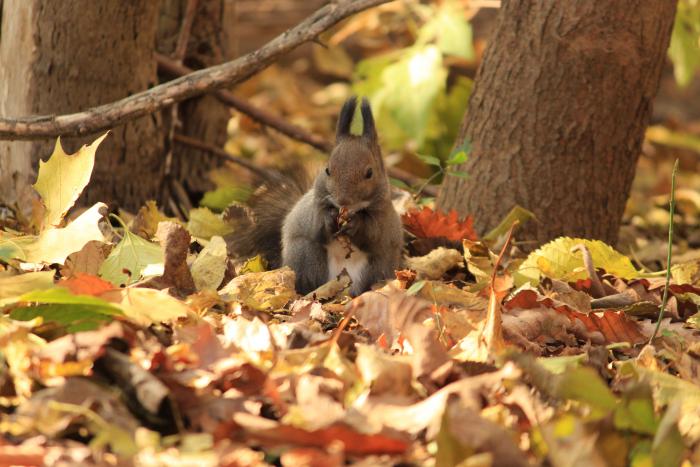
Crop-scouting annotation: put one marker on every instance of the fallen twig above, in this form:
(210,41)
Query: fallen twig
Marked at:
(197,83)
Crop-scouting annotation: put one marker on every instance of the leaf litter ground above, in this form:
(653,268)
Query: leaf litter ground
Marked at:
(146,344)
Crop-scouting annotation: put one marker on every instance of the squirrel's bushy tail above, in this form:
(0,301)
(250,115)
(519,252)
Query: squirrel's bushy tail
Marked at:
(257,226)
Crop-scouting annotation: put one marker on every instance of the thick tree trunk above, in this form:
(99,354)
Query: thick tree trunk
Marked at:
(558,113)
(66,56)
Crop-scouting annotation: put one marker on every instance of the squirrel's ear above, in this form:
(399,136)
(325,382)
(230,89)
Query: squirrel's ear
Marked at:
(345,118)
(369,131)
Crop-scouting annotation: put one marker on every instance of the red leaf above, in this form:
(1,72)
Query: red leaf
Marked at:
(431,224)
(353,442)
(85,284)
(615,326)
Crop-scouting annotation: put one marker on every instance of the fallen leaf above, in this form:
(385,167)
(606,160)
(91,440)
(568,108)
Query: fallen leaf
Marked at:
(85,284)
(427,223)
(147,218)
(209,268)
(128,260)
(269,432)
(53,245)
(263,291)
(614,326)
(86,261)
(555,260)
(435,264)
(11,287)
(204,224)
(62,178)
(147,306)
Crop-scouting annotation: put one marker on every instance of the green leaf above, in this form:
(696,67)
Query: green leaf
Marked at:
(558,365)
(127,261)
(585,385)
(205,224)
(518,213)
(430,160)
(555,260)
(74,317)
(458,173)
(415,288)
(458,157)
(452,31)
(221,198)
(409,91)
(668,446)
(76,312)
(62,296)
(62,178)
(636,414)
(685,48)
(394,181)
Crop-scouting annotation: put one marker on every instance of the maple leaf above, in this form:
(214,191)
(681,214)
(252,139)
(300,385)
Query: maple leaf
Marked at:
(62,178)
(428,223)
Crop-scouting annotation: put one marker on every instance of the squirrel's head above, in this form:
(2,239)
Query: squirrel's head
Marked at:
(355,177)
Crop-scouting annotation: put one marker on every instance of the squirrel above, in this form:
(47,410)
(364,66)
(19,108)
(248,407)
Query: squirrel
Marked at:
(344,219)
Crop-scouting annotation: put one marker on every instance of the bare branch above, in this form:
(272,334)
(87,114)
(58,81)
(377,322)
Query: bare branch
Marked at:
(295,132)
(197,83)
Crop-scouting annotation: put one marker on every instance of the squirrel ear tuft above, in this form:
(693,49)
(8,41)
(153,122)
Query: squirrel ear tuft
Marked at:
(369,131)
(345,118)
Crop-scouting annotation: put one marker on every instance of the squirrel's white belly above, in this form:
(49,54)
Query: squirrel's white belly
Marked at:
(338,259)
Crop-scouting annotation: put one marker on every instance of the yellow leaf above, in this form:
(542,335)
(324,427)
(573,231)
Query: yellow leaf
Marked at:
(209,268)
(556,260)
(255,264)
(205,224)
(147,306)
(14,286)
(53,245)
(62,178)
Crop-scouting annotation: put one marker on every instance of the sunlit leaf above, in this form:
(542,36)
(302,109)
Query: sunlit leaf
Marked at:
(205,224)
(427,223)
(62,178)
(11,287)
(209,268)
(555,260)
(127,261)
(53,245)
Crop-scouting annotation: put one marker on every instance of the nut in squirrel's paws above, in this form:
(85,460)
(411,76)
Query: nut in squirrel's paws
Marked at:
(342,221)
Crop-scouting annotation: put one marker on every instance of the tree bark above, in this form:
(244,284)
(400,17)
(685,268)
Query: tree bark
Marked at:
(60,57)
(558,113)
(203,118)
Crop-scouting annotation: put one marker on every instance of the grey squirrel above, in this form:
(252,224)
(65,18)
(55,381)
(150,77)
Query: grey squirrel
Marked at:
(344,219)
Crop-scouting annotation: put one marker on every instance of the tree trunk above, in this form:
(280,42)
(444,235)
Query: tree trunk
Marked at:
(203,118)
(66,56)
(558,113)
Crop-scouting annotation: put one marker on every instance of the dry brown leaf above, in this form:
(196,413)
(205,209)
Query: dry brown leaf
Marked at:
(612,325)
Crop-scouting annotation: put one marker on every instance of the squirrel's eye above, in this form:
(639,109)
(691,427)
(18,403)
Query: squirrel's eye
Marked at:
(368,174)
(328,171)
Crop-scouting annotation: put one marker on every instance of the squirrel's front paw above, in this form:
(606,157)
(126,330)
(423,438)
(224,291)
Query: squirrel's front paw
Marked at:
(350,226)
(330,223)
